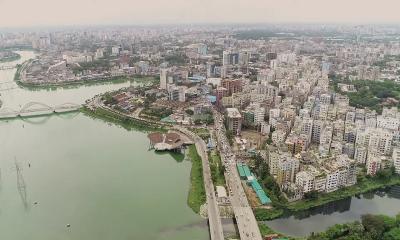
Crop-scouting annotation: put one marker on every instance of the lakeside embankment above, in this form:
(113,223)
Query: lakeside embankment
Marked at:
(121,120)
(196,194)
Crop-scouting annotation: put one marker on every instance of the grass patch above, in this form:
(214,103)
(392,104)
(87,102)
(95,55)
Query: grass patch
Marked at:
(197,193)
(263,214)
(125,122)
(201,132)
(266,230)
(217,169)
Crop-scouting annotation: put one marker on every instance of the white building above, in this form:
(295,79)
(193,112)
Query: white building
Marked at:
(396,159)
(373,163)
(305,180)
(391,123)
(360,154)
(99,53)
(234,120)
(177,93)
(74,57)
(163,78)
(278,136)
(115,50)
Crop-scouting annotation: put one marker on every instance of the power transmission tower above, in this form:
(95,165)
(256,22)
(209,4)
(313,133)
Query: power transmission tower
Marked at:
(21,185)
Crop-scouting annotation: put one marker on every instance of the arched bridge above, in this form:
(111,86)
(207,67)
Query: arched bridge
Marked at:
(36,109)
(5,67)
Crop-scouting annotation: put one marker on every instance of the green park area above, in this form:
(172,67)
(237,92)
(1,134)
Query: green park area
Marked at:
(371,94)
(118,119)
(217,169)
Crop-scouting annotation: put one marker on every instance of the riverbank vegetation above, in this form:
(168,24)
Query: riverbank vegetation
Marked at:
(265,230)
(371,94)
(197,193)
(125,122)
(371,227)
(201,132)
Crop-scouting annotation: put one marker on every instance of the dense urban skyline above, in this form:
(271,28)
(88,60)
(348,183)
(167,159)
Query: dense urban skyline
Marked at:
(96,12)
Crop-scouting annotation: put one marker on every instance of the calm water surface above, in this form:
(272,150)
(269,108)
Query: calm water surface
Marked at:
(97,177)
(347,210)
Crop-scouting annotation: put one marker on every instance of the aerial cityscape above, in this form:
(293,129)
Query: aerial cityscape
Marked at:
(251,127)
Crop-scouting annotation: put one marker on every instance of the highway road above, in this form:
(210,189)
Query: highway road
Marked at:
(246,221)
(214,219)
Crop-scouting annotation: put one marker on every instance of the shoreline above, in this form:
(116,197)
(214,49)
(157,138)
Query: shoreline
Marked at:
(71,84)
(365,186)
(13,58)
(196,194)
(292,208)
(79,83)
(39,115)
(123,121)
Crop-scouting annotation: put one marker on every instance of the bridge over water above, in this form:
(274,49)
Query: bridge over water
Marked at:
(32,109)
(5,67)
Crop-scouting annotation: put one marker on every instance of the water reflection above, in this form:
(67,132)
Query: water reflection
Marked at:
(327,209)
(384,201)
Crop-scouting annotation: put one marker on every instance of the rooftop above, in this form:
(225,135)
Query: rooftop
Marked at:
(233,113)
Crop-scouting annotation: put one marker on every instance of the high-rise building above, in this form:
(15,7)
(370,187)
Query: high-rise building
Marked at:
(306,180)
(376,140)
(234,120)
(177,93)
(254,114)
(230,58)
(233,86)
(317,129)
(287,170)
(360,154)
(374,163)
(163,78)
(396,159)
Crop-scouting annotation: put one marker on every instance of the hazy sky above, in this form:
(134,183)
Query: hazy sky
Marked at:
(81,12)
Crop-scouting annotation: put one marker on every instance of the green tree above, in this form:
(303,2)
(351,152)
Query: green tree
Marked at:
(393,234)
(189,112)
(312,195)
(374,225)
